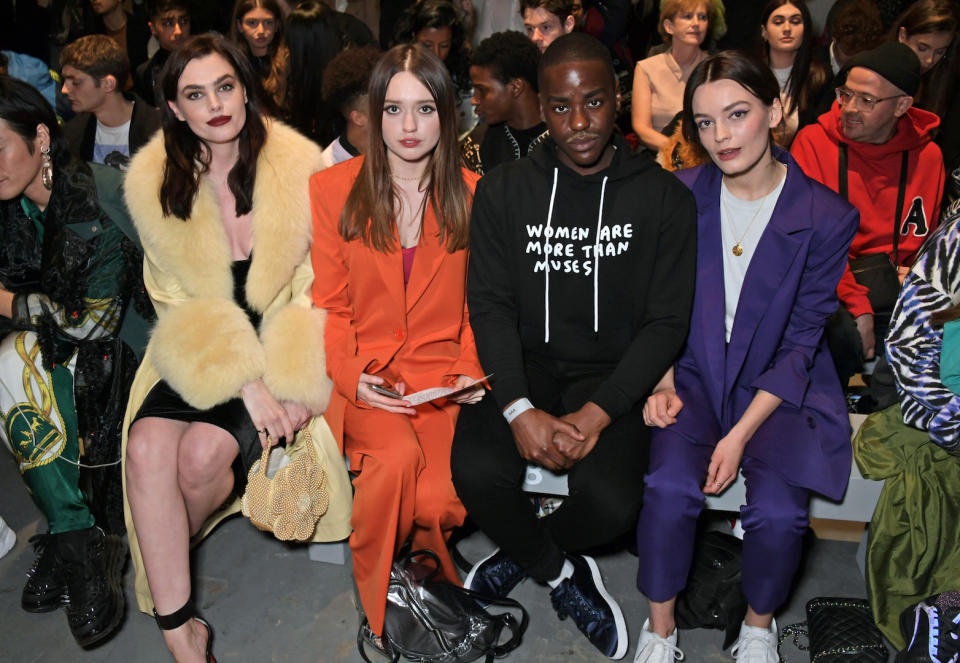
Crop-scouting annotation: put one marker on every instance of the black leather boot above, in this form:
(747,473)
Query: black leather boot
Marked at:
(44,589)
(92,567)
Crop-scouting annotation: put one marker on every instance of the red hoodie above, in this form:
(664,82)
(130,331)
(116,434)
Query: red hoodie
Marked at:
(873,178)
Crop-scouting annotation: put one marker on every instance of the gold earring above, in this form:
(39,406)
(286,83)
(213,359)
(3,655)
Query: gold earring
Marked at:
(46,169)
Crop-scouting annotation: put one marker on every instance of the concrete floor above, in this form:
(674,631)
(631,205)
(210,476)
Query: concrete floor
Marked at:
(268,602)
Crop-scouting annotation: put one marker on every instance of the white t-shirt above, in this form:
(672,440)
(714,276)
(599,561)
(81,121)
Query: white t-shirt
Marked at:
(111,146)
(735,267)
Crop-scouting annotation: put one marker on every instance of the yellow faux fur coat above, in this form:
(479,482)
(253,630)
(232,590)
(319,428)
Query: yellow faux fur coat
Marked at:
(203,344)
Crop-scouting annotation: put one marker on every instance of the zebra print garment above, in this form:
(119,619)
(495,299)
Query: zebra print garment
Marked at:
(913,344)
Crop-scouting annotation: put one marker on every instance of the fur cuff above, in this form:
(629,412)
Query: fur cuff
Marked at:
(206,349)
(296,363)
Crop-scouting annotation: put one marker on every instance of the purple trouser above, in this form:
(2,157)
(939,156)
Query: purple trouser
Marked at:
(774,521)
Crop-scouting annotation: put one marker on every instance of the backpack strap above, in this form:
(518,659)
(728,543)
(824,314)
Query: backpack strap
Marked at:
(901,196)
(504,620)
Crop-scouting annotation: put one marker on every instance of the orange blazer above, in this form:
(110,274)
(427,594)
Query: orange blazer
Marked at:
(419,334)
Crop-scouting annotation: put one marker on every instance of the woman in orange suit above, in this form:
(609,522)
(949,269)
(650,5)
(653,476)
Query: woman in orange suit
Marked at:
(389,257)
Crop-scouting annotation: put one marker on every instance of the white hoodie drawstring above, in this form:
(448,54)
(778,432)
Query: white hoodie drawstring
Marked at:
(546,278)
(596,262)
(596,259)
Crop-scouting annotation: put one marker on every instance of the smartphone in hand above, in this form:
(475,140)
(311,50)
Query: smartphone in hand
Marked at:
(385,391)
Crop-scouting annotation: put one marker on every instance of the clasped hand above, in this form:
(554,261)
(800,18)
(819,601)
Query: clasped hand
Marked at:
(557,443)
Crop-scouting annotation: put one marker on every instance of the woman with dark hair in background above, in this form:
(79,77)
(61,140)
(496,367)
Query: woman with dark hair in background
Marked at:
(929,28)
(390,255)
(63,279)
(296,81)
(436,25)
(755,390)
(786,46)
(236,359)
(257,29)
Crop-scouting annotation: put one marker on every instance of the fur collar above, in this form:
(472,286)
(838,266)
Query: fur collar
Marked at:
(196,252)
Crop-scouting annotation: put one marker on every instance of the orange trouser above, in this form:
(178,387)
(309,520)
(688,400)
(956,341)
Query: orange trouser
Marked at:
(403,490)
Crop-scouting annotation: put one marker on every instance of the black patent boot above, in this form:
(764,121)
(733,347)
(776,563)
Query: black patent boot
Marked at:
(92,567)
(44,589)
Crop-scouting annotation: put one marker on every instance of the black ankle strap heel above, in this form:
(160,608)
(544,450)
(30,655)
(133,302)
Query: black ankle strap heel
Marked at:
(181,617)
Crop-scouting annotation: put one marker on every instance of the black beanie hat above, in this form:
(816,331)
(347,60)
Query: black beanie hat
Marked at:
(894,61)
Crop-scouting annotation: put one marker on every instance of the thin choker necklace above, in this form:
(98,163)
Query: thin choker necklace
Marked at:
(406,179)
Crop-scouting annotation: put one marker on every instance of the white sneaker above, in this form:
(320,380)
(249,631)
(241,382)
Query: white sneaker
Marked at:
(653,648)
(756,645)
(8,538)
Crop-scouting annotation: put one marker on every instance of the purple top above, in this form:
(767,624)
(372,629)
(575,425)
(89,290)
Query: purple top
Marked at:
(407,263)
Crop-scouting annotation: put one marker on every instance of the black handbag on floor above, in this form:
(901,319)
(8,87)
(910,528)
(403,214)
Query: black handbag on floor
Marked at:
(432,621)
(840,630)
(713,597)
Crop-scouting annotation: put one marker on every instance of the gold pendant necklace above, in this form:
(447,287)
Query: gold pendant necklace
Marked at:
(737,249)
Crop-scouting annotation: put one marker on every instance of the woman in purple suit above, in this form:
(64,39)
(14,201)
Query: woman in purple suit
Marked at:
(755,389)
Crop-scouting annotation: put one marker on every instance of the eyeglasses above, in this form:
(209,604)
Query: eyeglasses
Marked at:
(863,102)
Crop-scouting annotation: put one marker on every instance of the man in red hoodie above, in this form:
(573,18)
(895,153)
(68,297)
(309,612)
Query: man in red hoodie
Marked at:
(874,148)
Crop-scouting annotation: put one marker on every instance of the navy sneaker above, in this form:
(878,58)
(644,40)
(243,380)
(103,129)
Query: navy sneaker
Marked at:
(932,630)
(495,575)
(583,597)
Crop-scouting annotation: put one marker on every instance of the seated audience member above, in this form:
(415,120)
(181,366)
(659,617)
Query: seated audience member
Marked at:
(390,235)
(923,325)
(914,547)
(504,76)
(30,70)
(876,150)
(109,126)
(295,84)
(929,27)
(853,26)
(169,22)
(574,350)
(345,83)
(659,80)
(545,20)
(786,45)
(491,16)
(235,362)
(257,29)
(60,310)
(436,25)
(127,30)
(772,245)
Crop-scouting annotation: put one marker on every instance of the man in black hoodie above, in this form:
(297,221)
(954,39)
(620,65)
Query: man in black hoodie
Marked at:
(580,286)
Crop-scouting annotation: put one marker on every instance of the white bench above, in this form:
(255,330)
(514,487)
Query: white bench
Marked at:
(857,504)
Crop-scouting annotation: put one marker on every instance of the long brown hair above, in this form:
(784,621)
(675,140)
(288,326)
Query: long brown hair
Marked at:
(241,9)
(188,157)
(371,207)
(925,17)
(807,75)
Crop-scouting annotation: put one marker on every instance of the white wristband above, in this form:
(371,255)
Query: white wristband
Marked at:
(517,408)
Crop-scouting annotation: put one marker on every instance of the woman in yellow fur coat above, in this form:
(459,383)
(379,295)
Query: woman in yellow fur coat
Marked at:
(236,362)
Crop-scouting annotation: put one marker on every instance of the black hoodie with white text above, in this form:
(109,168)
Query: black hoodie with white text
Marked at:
(591,274)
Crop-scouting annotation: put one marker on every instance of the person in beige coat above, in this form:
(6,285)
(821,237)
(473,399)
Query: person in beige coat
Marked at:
(236,361)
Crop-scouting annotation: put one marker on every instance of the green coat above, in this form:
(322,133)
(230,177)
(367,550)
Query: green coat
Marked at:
(914,543)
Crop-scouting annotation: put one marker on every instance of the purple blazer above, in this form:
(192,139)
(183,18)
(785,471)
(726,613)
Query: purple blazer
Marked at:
(777,343)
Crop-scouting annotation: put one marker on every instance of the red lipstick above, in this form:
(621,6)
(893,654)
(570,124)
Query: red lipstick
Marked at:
(219,121)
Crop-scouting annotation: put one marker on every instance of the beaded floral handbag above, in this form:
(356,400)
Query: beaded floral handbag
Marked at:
(287,490)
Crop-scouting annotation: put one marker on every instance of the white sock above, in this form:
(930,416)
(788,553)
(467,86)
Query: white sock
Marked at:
(565,573)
